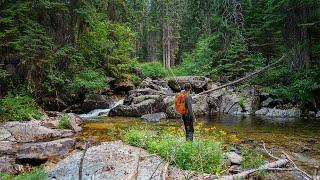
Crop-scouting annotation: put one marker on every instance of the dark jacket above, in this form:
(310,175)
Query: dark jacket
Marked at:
(188,102)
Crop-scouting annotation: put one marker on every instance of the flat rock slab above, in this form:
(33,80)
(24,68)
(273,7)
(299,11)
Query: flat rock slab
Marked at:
(156,117)
(45,150)
(30,131)
(7,148)
(113,160)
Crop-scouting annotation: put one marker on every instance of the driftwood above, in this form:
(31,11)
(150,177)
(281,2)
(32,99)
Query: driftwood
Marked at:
(81,160)
(244,78)
(268,166)
(165,171)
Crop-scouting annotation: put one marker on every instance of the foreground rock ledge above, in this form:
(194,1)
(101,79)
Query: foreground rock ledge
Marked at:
(114,160)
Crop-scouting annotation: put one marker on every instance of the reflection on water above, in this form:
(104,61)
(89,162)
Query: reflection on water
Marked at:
(299,136)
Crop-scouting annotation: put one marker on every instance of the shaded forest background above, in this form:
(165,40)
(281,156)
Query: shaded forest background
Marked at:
(67,49)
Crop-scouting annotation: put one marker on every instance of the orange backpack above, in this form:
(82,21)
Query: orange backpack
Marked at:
(179,103)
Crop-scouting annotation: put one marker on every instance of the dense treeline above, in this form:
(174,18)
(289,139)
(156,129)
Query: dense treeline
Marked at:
(66,49)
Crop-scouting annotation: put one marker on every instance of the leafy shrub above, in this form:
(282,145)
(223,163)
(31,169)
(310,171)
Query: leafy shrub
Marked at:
(153,69)
(92,80)
(36,174)
(18,108)
(64,123)
(200,155)
(298,86)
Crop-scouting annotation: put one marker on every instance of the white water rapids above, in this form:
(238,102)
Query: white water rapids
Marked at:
(100,112)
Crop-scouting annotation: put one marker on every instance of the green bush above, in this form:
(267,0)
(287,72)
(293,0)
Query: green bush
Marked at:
(64,122)
(199,155)
(92,80)
(153,69)
(18,108)
(36,174)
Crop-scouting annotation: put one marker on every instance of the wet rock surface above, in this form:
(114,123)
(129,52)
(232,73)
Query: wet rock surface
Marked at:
(156,117)
(273,112)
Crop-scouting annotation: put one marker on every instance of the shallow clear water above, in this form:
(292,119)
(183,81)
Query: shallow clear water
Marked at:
(298,137)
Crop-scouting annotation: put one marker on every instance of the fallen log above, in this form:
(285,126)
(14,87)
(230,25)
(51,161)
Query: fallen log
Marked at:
(244,78)
(268,166)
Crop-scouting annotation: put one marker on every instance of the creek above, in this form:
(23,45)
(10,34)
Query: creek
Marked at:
(298,137)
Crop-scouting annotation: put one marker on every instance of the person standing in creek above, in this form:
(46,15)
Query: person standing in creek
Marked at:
(183,105)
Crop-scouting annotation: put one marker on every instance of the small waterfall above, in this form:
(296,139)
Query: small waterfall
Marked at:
(100,112)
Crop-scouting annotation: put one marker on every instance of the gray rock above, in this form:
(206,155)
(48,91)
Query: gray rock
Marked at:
(8,165)
(75,122)
(199,83)
(96,101)
(45,150)
(5,135)
(7,148)
(110,160)
(318,114)
(230,103)
(145,91)
(115,160)
(30,131)
(122,85)
(139,109)
(156,117)
(157,85)
(266,102)
(262,111)
(233,157)
(294,112)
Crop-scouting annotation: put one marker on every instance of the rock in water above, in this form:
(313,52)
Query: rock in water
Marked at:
(154,117)
(233,157)
(45,150)
(273,112)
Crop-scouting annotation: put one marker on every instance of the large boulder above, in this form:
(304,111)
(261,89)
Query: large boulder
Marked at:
(236,103)
(157,85)
(43,151)
(146,106)
(96,101)
(156,117)
(115,160)
(31,131)
(145,91)
(273,112)
(199,83)
(121,86)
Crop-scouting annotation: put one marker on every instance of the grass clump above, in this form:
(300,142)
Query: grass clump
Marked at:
(36,174)
(18,108)
(64,123)
(199,155)
(251,160)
